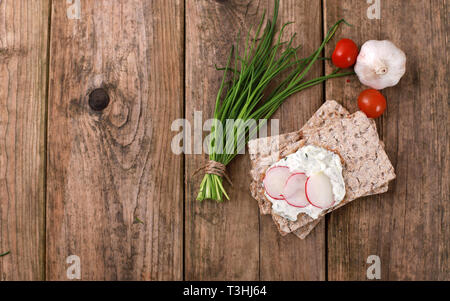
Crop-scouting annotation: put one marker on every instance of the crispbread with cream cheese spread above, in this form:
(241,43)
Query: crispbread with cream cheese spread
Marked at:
(265,151)
(367,169)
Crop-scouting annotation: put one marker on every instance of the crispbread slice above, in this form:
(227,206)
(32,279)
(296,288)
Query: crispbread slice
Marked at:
(265,205)
(366,165)
(303,231)
(265,151)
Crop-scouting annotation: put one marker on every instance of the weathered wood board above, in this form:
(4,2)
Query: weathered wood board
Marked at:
(23,85)
(104,185)
(409,227)
(289,258)
(221,240)
(230,240)
(110,168)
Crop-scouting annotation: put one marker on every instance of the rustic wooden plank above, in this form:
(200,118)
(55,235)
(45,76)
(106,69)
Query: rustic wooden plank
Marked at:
(221,239)
(289,258)
(408,227)
(229,240)
(23,82)
(109,169)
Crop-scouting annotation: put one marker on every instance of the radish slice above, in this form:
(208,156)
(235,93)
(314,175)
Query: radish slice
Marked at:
(294,190)
(319,191)
(275,180)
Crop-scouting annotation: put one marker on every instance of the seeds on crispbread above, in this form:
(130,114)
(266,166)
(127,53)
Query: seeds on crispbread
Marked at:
(330,125)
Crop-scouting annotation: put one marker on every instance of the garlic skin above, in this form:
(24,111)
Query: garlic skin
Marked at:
(380,64)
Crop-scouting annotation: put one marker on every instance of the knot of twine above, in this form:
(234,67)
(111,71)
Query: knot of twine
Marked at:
(214,168)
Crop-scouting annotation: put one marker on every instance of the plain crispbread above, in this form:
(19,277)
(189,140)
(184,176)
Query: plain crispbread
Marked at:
(367,170)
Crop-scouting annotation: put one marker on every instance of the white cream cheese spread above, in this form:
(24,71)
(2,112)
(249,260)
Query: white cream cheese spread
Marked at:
(310,160)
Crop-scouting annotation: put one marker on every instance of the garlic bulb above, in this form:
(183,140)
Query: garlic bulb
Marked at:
(380,64)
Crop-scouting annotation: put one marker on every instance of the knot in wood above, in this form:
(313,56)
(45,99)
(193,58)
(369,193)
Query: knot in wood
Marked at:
(98,99)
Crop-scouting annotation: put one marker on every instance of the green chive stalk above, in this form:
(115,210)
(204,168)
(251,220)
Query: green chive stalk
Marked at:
(262,63)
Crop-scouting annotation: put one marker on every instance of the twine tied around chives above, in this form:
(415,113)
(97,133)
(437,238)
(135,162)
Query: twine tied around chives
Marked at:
(214,168)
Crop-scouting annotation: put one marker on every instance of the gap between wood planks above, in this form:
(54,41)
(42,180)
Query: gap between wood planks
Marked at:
(324,91)
(184,156)
(49,32)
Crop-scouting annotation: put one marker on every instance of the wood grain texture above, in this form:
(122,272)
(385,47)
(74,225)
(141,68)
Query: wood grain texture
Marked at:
(102,172)
(289,258)
(229,240)
(409,226)
(221,240)
(23,81)
(105,169)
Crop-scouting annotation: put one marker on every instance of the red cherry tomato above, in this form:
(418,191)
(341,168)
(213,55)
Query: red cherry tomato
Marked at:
(345,53)
(372,102)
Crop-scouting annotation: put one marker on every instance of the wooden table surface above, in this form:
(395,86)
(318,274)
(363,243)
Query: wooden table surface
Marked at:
(106,187)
